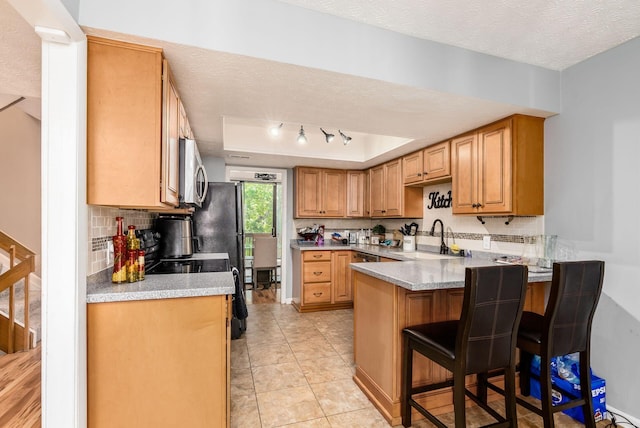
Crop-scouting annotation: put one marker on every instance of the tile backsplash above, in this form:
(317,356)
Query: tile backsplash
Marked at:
(102,226)
(466,231)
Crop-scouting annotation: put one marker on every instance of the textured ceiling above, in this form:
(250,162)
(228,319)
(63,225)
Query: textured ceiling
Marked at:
(554,34)
(217,85)
(19,55)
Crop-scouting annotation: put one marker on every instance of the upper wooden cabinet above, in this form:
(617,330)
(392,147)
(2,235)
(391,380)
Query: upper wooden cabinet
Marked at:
(170,184)
(320,192)
(357,194)
(428,166)
(498,169)
(133,122)
(388,195)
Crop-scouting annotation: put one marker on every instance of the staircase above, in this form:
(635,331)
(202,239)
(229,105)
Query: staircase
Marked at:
(16,271)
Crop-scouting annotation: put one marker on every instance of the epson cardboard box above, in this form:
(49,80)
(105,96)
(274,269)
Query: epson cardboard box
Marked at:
(566,390)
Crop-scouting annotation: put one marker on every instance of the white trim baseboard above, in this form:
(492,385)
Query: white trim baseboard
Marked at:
(634,420)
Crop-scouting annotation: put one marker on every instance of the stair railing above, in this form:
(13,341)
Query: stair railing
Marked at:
(13,336)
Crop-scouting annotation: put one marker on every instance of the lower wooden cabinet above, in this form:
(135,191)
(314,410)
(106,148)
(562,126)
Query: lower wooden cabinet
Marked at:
(321,280)
(159,363)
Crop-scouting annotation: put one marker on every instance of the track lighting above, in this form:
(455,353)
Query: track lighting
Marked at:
(328,137)
(275,130)
(302,139)
(345,139)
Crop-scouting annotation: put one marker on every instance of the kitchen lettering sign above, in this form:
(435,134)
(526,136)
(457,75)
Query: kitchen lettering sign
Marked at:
(439,201)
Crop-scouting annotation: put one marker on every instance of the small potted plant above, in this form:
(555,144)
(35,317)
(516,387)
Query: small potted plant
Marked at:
(379,230)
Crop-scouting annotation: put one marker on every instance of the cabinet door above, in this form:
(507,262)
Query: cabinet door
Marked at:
(308,192)
(412,168)
(124,124)
(494,168)
(393,198)
(464,174)
(355,193)
(376,190)
(170,186)
(437,162)
(341,281)
(334,198)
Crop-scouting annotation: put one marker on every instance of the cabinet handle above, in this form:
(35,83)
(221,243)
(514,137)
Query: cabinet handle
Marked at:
(317,294)
(317,256)
(419,174)
(317,273)
(426,172)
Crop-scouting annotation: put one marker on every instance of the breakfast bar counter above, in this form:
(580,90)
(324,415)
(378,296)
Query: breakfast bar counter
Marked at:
(391,296)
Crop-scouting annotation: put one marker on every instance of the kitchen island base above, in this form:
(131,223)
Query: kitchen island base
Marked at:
(381,311)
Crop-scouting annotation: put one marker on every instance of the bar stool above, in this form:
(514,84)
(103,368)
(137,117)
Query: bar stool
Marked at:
(564,329)
(482,340)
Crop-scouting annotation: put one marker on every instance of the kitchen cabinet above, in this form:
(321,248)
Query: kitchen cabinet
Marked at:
(133,123)
(357,194)
(388,195)
(499,169)
(161,362)
(428,166)
(321,280)
(170,184)
(320,192)
(341,276)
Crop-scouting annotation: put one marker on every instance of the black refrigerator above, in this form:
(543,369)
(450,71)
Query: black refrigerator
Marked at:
(218,226)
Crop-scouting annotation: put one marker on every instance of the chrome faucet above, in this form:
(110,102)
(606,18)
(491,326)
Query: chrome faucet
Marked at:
(443,248)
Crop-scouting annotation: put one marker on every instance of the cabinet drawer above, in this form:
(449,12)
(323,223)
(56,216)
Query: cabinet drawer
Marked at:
(316,272)
(316,293)
(316,256)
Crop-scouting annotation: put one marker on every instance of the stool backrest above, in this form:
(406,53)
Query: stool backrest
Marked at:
(575,291)
(491,311)
(265,251)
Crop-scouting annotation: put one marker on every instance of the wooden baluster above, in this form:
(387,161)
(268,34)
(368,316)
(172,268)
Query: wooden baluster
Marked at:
(10,344)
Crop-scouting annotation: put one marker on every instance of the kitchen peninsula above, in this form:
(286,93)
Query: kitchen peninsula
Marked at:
(158,351)
(391,296)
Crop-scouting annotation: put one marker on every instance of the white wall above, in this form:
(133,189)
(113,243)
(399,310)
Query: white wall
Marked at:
(592,176)
(20,178)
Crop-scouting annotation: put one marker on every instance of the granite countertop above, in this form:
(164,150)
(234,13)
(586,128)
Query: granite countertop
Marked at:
(100,289)
(424,274)
(418,270)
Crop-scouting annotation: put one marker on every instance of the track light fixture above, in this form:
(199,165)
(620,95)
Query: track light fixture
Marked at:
(275,130)
(328,137)
(302,139)
(345,139)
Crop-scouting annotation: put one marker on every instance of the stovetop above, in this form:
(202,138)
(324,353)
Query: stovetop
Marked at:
(189,266)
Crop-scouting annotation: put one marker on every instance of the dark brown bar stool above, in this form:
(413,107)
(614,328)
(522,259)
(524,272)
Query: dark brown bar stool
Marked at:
(564,329)
(483,339)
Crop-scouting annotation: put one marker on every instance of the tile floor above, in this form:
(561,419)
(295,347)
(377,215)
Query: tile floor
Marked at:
(295,370)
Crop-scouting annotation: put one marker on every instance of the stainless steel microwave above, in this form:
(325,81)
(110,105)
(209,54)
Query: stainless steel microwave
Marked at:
(193,176)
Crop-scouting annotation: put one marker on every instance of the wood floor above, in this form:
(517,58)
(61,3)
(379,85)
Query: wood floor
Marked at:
(20,389)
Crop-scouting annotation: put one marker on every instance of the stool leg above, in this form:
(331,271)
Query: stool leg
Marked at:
(585,390)
(545,393)
(458,399)
(482,379)
(525,373)
(510,396)
(407,380)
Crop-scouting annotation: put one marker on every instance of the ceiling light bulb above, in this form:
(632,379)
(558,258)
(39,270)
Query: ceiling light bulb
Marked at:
(301,137)
(345,139)
(275,130)
(328,137)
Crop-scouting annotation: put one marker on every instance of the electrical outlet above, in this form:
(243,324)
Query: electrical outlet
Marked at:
(486,242)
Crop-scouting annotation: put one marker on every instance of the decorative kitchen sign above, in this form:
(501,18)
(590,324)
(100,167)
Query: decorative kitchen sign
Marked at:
(439,201)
